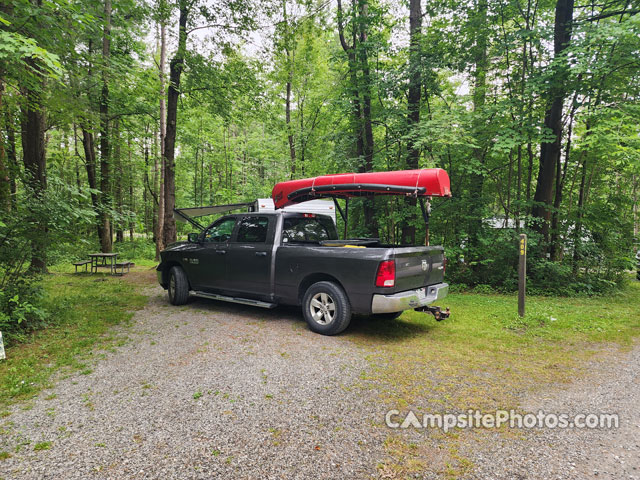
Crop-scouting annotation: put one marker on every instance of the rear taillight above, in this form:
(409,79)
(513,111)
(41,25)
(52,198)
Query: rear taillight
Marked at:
(386,276)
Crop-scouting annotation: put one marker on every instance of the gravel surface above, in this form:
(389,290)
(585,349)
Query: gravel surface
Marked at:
(613,386)
(215,390)
(201,391)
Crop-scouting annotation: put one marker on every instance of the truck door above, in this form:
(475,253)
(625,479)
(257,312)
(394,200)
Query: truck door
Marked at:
(212,262)
(249,257)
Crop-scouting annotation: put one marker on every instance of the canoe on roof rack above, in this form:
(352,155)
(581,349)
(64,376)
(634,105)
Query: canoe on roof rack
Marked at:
(428,182)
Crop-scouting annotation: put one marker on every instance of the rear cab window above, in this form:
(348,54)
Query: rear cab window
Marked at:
(253,229)
(308,228)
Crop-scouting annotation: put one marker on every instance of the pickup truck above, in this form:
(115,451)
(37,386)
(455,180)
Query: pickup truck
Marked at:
(292,258)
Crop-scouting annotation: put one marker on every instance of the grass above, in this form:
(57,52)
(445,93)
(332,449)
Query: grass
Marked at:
(83,309)
(42,446)
(486,357)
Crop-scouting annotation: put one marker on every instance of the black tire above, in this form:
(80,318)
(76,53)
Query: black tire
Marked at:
(178,287)
(386,316)
(320,300)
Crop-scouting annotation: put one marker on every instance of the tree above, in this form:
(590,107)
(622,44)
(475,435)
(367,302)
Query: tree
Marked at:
(477,176)
(106,237)
(550,150)
(158,232)
(173,92)
(413,106)
(360,91)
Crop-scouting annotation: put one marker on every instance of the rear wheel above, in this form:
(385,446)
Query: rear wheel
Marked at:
(178,288)
(386,316)
(326,308)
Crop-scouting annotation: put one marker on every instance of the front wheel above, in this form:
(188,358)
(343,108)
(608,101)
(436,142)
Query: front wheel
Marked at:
(326,308)
(178,288)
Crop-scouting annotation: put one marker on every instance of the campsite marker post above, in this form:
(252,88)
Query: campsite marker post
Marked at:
(522,273)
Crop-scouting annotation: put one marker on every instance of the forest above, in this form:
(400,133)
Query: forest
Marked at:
(114,112)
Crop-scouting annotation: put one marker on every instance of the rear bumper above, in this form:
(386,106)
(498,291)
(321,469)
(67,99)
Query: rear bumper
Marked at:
(399,302)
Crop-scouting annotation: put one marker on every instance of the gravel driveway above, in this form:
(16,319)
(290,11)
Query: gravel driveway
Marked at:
(213,390)
(208,389)
(612,386)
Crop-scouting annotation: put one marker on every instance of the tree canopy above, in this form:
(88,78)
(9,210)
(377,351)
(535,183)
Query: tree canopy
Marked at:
(113,112)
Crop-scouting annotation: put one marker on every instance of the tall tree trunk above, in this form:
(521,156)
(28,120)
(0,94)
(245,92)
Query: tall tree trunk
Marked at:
(550,151)
(158,232)
(582,200)
(370,219)
(34,158)
(413,108)
(89,147)
(360,78)
(5,180)
(556,249)
(479,97)
(289,62)
(131,206)
(12,159)
(365,87)
(105,178)
(90,165)
(148,220)
(356,109)
(173,92)
(118,180)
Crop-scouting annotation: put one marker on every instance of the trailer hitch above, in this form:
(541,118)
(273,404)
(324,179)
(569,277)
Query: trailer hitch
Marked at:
(437,312)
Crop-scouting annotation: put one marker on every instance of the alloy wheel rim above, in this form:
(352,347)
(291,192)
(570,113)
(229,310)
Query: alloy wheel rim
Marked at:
(322,308)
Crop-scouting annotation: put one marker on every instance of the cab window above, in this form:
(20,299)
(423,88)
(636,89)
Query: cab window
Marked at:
(308,229)
(220,232)
(253,230)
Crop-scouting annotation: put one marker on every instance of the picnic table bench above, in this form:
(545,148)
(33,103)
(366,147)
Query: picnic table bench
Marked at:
(106,260)
(81,263)
(122,266)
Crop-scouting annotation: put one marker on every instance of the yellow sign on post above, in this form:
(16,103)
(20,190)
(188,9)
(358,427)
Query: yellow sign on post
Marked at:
(522,274)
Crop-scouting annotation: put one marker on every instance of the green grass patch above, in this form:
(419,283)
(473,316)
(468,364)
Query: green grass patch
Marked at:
(42,446)
(82,310)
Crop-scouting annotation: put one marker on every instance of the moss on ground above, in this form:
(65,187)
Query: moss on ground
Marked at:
(485,357)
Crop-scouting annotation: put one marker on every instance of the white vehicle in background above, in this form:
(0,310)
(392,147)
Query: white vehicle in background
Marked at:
(317,207)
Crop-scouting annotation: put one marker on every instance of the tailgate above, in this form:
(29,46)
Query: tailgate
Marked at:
(418,266)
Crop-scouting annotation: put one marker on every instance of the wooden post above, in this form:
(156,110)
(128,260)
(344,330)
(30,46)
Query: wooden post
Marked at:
(522,274)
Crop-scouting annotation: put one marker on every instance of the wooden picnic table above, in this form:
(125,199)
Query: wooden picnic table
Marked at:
(95,261)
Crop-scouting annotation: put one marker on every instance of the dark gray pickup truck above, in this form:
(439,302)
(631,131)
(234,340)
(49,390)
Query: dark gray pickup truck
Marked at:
(267,259)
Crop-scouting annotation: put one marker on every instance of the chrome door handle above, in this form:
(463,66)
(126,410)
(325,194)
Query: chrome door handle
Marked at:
(221,252)
(261,254)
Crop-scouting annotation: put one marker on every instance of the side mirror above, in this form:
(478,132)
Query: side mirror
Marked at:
(193,237)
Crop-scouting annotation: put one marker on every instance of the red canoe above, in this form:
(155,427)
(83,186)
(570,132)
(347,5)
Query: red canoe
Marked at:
(428,182)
